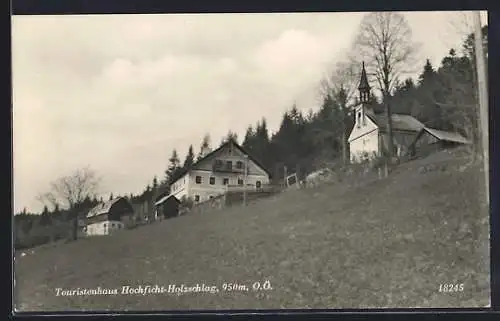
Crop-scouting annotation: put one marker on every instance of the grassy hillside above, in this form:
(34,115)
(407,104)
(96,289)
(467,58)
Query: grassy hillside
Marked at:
(386,244)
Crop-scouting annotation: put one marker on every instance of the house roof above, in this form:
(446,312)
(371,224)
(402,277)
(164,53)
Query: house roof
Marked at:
(164,199)
(230,141)
(447,136)
(399,122)
(103,208)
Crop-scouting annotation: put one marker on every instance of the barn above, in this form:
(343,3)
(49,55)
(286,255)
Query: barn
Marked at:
(430,140)
(167,206)
(108,217)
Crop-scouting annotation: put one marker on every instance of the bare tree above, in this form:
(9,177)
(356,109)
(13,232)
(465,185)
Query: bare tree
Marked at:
(343,76)
(340,84)
(461,23)
(71,190)
(384,42)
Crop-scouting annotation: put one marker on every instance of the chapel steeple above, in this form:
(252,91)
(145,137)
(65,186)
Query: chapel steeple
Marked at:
(364,87)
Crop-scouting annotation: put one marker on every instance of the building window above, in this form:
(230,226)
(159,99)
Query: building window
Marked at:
(211,196)
(198,179)
(240,181)
(358,120)
(197,198)
(212,180)
(229,165)
(225,181)
(258,184)
(112,224)
(239,164)
(104,225)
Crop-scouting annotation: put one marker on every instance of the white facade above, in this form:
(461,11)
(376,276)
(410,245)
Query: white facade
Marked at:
(364,138)
(203,183)
(180,187)
(103,228)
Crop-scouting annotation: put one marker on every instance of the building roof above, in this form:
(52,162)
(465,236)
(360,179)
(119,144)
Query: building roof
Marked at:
(363,83)
(399,122)
(164,199)
(447,136)
(230,141)
(103,208)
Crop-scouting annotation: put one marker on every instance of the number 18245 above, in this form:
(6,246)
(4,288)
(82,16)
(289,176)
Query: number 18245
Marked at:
(451,287)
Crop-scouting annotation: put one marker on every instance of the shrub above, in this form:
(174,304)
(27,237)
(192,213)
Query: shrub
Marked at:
(186,202)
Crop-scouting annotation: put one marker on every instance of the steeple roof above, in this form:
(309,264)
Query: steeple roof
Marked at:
(363,83)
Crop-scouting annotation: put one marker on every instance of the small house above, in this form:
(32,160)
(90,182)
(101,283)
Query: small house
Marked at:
(167,207)
(108,217)
(430,140)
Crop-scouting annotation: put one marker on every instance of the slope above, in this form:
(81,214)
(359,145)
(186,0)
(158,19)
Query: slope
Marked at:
(389,243)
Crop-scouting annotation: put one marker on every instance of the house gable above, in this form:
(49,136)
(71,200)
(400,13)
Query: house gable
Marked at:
(229,151)
(362,128)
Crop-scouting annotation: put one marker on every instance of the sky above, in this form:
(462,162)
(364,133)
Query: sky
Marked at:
(119,92)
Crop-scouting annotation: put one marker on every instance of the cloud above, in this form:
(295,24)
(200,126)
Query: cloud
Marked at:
(120,92)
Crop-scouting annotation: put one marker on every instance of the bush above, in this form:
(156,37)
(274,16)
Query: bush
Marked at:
(37,236)
(186,202)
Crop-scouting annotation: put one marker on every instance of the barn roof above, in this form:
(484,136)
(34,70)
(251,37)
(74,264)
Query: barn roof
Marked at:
(164,199)
(399,122)
(103,208)
(447,136)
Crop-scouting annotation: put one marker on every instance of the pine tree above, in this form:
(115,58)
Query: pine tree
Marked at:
(261,143)
(229,136)
(282,140)
(155,187)
(204,145)
(248,141)
(326,131)
(468,45)
(262,132)
(428,73)
(426,96)
(189,160)
(45,217)
(173,167)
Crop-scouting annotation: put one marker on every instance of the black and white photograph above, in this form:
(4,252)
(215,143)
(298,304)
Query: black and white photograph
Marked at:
(250,161)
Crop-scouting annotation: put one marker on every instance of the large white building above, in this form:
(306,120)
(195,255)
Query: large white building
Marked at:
(212,175)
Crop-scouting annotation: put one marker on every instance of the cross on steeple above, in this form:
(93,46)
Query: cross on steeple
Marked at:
(364,87)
